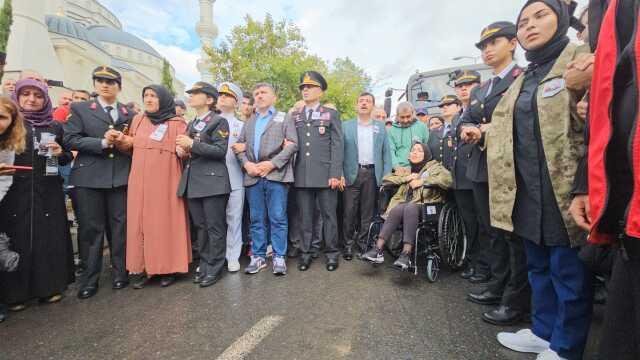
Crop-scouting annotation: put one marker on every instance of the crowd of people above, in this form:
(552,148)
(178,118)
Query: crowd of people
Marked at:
(540,162)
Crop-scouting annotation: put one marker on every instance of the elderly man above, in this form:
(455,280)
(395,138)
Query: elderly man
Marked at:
(405,132)
(230,93)
(265,149)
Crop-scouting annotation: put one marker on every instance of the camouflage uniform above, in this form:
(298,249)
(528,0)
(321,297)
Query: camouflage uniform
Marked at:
(563,143)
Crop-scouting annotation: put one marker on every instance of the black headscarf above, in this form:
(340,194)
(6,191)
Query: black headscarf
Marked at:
(167,108)
(415,168)
(552,49)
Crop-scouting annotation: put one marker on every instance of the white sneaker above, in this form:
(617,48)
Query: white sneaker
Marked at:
(233,266)
(549,355)
(523,341)
(269,251)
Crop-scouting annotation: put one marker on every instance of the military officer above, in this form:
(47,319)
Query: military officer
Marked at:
(503,253)
(441,139)
(95,129)
(318,168)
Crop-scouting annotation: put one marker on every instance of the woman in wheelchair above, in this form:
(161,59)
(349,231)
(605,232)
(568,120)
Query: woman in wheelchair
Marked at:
(425,183)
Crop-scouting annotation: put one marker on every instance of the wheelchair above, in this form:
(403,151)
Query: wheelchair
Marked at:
(440,238)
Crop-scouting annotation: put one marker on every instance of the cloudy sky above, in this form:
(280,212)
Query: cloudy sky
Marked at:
(388,40)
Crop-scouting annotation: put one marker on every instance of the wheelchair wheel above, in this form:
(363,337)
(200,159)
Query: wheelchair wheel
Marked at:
(433,268)
(452,237)
(374,231)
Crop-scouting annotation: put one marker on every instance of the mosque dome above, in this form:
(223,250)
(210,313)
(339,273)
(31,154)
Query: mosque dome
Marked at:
(67,27)
(115,36)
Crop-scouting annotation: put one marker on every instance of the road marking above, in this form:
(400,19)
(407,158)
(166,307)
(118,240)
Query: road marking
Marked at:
(251,338)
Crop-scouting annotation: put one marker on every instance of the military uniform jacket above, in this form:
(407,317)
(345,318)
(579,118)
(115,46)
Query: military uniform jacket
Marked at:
(460,159)
(480,112)
(562,134)
(95,167)
(441,146)
(320,148)
(205,172)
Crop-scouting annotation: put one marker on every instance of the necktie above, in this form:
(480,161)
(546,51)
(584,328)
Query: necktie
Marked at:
(310,114)
(109,109)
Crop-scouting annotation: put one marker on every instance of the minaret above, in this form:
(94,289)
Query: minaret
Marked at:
(29,44)
(207,31)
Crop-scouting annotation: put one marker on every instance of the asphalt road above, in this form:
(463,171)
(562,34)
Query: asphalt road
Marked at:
(357,312)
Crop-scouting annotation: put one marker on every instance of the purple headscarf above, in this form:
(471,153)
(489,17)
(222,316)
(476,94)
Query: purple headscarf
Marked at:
(41,118)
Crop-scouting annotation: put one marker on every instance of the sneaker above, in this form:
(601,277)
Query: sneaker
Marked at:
(549,355)
(403,262)
(279,265)
(523,341)
(269,251)
(374,255)
(257,264)
(233,266)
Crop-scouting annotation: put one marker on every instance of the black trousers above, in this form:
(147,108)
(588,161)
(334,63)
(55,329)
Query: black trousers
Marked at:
(295,225)
(466,206)
(102,213)
(621,330)
(327,199)
(359,202)
(209,218)
(504,255)
(407,215)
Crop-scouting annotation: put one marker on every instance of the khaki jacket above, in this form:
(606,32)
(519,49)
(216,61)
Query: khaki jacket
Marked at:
(562,139)
(433,173)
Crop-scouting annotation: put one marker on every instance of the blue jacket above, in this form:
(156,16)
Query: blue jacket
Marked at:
(381,151)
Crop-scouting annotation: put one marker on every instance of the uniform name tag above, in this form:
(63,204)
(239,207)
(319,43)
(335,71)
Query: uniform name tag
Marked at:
(431,210)
(553,87)
(278,118)
(158,134)
(200,125)
(316,115)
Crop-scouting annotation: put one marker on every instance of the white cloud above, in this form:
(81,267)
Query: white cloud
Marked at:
(183,61)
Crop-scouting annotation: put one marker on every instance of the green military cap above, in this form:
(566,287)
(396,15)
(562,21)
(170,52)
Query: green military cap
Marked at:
(313,78)
(497,29)
(105,72)
(449,99)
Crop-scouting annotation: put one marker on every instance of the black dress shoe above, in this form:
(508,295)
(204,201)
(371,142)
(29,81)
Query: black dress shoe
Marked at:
(479,278)
(120,284)
(167,280)
(468,272)
(140,281)
(304,263)
(348,254)
(504,316)
(209,280)
(293,252)
(484,298)
(315,254)
(87,292)
(332,265)
(198,278)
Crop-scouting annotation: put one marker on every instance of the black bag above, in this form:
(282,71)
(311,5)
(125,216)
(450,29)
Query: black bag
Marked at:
(598,258)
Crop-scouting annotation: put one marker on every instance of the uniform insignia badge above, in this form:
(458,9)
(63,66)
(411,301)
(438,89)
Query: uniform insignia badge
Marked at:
(93,106)
(322,130)
(223,134)
(553,87)
(124,110)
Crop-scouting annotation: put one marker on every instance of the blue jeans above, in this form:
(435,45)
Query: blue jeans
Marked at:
(268,203)
(561,297)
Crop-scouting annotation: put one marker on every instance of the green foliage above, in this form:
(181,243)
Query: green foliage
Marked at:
(275,52)
(167,79)
(6,19)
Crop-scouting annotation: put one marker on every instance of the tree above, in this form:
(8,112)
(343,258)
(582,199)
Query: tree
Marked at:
(6,19)
(275,52)
(167,79)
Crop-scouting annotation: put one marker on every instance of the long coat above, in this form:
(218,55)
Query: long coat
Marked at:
(562,139)
(44,244)
(157,231)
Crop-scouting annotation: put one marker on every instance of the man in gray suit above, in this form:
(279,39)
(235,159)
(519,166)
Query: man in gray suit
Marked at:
(100,175)
(318,168)
(265,149)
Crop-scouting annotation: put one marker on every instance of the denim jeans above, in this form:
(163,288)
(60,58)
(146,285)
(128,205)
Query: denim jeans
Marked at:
(268,203)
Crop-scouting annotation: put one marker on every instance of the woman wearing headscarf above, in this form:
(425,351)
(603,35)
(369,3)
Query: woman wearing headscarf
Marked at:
(33,212)
(533,148)
(158,240)
(405,206)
